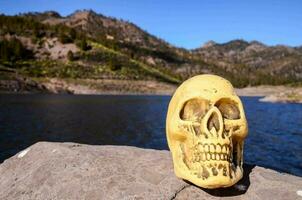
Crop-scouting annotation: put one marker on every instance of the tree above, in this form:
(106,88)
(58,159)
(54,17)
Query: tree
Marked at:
(114,64)
(64,38)
(19,51)
(82,44)
(12,50)
(72,34)
(70,56)
(4,50)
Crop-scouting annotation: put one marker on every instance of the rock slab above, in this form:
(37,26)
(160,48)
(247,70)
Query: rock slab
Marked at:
(75,171)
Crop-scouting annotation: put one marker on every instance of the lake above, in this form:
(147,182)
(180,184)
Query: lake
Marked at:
(274,140)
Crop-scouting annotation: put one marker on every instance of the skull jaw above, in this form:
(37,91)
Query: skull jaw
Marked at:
(211,182)
(208,173)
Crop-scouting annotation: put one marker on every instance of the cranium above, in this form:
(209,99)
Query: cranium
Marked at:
(206,128)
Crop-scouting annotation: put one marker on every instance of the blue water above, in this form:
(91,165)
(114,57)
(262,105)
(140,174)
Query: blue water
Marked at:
(274,140)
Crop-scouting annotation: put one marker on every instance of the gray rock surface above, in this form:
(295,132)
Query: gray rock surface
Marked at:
(75,171)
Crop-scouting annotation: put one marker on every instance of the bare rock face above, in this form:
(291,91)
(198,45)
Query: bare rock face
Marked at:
(74,171)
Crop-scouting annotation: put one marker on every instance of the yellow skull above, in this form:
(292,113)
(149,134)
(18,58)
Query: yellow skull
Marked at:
(206,128)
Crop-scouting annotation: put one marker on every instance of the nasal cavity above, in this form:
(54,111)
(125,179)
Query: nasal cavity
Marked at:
(213,122)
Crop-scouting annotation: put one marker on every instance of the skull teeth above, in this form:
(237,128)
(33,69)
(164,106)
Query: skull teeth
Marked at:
(212,148)
(210,156)
(206,152)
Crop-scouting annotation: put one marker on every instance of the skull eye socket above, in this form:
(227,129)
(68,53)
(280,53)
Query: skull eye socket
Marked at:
(194,109)
(228,108)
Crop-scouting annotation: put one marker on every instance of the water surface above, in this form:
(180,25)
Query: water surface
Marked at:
(274,141)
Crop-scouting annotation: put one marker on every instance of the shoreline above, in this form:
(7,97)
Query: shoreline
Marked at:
(269,93)
(273,94)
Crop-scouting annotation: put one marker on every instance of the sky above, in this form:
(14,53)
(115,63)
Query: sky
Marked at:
(190,23)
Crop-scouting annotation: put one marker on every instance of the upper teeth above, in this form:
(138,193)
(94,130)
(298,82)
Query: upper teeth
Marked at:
(210,156)
(212,148)
(203,151)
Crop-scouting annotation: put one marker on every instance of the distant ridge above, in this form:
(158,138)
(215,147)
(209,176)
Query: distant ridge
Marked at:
(119,49)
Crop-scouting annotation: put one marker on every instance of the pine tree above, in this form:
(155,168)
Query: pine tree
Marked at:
(70,56)
(82,44)
(72,34)
(12,50)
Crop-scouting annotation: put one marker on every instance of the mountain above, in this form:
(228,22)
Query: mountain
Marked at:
(255,59)
(87,45)
(98,26)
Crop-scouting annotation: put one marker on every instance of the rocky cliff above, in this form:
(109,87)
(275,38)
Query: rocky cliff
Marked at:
(74,171)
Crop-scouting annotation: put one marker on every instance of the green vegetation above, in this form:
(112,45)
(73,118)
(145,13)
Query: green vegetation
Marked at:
(83,45)
(294,97)
(111,48)
(64,38)
(117,60)
(31,27)
(56,69)
(70,56)
(13,50)
(114,64)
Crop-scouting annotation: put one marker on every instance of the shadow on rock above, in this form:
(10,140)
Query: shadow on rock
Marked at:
(238,189)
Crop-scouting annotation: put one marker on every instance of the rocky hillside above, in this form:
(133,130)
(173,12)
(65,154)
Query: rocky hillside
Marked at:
(99,26)
(255,59)
(87,45)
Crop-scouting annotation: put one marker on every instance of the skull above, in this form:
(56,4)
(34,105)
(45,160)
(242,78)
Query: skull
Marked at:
(206,128)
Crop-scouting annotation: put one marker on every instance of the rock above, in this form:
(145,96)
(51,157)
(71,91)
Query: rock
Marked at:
(108,86)
(74,171)
(285,97)
(11,82)
(274,94)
